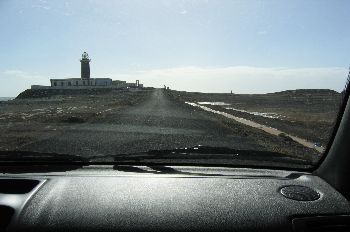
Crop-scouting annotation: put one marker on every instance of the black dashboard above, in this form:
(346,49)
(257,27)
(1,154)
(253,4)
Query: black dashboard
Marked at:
(141,198)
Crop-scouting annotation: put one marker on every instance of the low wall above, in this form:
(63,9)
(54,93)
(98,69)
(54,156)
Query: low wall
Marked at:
(75,87)
(130,85)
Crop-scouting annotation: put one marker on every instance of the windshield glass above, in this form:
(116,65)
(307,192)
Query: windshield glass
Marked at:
(251,83)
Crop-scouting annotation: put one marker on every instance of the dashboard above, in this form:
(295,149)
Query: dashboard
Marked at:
(165,198)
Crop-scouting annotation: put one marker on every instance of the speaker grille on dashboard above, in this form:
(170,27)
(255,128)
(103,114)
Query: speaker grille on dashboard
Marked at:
(299,193)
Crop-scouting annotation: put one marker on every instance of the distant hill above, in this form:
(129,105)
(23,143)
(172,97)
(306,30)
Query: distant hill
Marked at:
(6,98)
(308,91)
(45,93)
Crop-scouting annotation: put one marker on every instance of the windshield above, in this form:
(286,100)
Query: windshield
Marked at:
(250,83)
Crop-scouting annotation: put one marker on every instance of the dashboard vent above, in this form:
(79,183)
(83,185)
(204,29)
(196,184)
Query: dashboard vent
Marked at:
(17,186)
(339,223)
(6,214)
(299,193)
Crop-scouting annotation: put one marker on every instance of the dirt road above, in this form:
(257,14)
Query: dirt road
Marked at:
(158,123)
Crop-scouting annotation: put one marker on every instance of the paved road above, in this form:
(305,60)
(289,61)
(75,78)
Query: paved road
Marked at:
(157,123)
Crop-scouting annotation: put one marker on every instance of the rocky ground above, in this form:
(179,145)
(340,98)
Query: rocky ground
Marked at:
(92,122)
(309,114)
(38,114)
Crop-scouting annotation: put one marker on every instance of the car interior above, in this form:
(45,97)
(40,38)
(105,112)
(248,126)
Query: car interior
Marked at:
(197,115)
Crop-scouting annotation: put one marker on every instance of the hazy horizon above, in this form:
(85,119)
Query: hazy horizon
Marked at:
(5,98)
(194,45)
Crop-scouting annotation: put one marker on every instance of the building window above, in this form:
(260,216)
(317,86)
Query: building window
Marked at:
(61,83)
(76,83)
(69,83)
(90,82)
(83,82)
(55,83)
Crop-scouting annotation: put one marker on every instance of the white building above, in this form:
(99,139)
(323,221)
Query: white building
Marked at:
(77,82)
(85,82)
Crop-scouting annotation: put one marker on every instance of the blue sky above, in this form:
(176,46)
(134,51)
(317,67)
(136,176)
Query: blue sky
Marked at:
(195,45)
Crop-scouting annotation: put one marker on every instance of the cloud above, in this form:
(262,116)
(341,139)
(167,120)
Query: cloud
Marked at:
(15,81)
(41,7)
(183,12)
(42,4)
(19,74)
(241,79)
(262,32)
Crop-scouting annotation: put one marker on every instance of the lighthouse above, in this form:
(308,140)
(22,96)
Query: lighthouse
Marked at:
(85,66)
(85,82)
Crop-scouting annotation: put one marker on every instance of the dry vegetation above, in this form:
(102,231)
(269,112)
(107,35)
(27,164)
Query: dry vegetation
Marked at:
(39,114)
(309,114)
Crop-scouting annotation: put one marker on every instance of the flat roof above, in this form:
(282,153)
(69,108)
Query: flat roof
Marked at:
(77,79)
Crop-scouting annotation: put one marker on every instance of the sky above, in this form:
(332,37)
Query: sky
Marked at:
(246,46)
